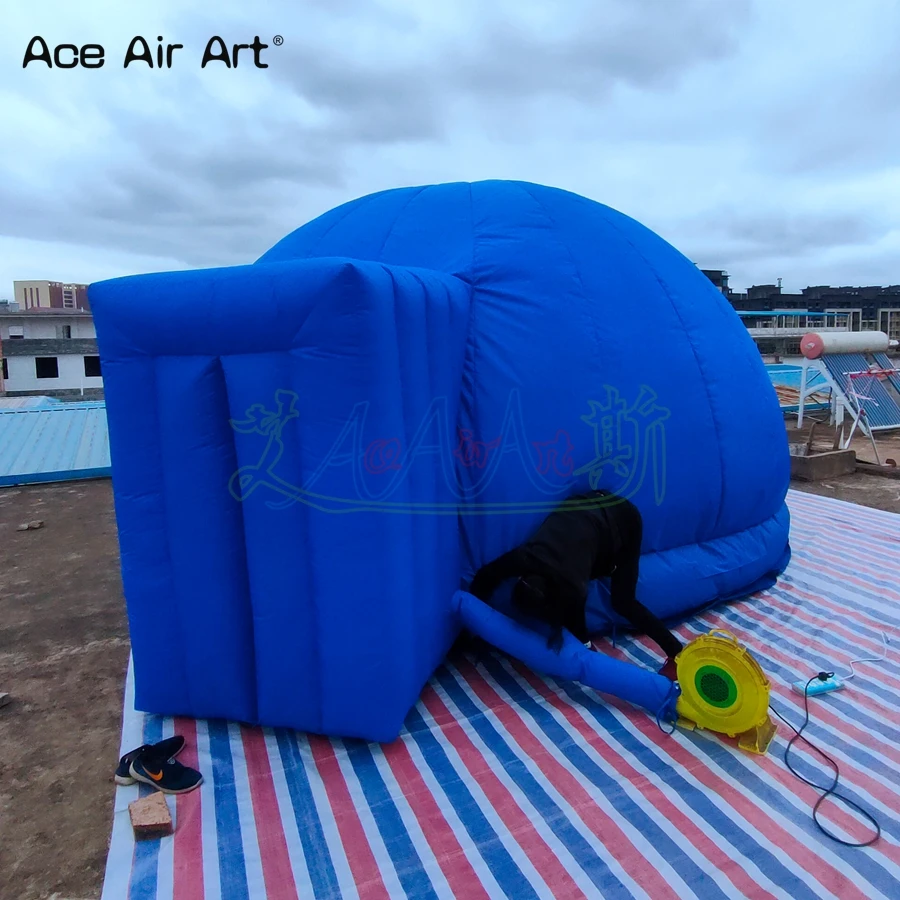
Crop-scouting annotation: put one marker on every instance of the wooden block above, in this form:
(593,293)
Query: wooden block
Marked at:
(150,817)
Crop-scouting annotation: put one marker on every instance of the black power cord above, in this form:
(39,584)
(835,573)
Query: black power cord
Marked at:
(828,790)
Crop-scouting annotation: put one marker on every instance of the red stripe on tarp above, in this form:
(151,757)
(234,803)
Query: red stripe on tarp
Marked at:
(706,848)
(866,557)
(518,824)
(362,862)
(812,864)
(835,812)
(850,771)
(187,865)
(861,531)
(815,642)
(851,533)
(867,701)
(811,609)
(823,713)
(461,876)
(604,827)
(826,560)
(807,599)
(278,873)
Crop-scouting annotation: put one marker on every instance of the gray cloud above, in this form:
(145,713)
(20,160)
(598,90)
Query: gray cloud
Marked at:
(738,130)
(789,234)
(641,44)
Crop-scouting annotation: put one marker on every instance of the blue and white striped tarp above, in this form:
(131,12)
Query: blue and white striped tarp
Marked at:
(505,784)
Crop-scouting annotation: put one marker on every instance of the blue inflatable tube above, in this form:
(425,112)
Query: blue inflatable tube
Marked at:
(574,662)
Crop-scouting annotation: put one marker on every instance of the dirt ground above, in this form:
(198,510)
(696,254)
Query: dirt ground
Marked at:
(864,489)
(63,657)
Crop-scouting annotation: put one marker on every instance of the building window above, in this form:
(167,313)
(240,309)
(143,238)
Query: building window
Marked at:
(64,331)
(5,368)
(37,296)
(68,299)
(16,332)
(46,367)
(92,367)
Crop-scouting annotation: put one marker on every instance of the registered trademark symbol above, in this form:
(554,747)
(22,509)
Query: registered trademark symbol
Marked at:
(278,40)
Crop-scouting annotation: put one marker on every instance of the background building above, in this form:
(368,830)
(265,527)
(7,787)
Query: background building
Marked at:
(50,295)
(767,310)
(719,277)
(47,351)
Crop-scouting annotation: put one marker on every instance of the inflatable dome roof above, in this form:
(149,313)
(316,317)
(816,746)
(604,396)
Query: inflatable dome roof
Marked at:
(313,452)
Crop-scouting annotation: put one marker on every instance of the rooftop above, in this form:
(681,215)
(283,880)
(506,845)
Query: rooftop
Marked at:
(507,782)
(46,441)
(42,311)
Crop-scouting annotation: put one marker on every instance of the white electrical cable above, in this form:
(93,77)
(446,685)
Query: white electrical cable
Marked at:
(885,641)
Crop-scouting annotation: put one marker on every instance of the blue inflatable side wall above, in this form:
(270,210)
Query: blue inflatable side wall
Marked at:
(309,606)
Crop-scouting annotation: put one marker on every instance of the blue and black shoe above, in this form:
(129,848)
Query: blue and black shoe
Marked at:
(169,749)
(166,775)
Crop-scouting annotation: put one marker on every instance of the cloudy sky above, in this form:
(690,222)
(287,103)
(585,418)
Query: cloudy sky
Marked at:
(759,136)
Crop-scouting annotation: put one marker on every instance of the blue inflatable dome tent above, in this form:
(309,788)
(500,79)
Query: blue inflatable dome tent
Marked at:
(311,454)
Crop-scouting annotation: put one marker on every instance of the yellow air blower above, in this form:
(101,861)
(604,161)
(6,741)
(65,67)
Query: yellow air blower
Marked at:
(723,689)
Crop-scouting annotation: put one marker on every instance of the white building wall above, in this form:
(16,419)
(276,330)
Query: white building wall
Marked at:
(43,330)
(39,328)
(22,376)
(83,328)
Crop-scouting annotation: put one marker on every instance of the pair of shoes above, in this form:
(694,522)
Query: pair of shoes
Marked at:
(165,775)
(669,669)
(154,764)
(169,749)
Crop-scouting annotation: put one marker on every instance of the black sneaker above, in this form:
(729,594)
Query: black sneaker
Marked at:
(165,775)
(169,748)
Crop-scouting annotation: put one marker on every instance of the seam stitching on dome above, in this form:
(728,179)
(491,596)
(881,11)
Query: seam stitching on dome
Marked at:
(700,368)
(397,219)
(354,207)
(562,244)
(466,549)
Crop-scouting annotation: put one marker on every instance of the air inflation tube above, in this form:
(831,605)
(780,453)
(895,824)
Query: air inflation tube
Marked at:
(574,662)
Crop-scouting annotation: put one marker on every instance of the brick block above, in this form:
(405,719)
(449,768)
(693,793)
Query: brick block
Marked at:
(150,817)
